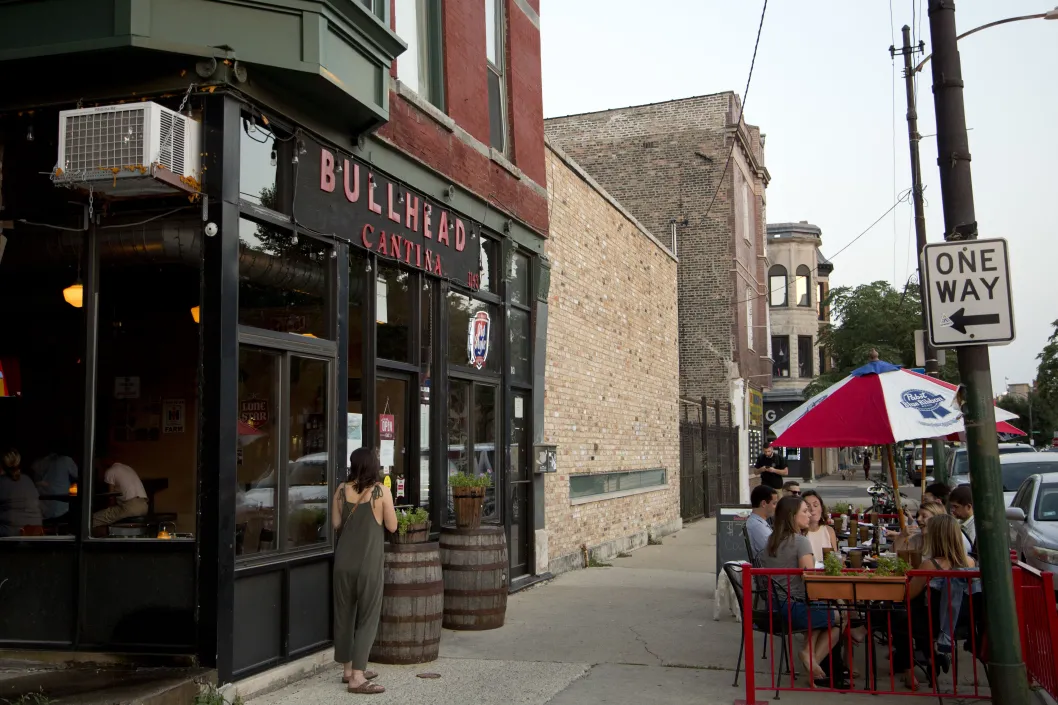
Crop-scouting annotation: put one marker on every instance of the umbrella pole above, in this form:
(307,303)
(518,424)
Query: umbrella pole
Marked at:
(924,466)
(896,488)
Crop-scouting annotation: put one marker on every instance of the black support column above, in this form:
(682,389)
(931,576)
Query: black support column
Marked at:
(218,410)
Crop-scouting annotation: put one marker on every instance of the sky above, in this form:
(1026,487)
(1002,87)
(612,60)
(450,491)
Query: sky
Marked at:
(827,96)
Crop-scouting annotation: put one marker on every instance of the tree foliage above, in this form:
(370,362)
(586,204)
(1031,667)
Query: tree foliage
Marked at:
(872,316)
(1043,417)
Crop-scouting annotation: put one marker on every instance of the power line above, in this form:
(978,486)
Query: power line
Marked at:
(903,199)
(741,111)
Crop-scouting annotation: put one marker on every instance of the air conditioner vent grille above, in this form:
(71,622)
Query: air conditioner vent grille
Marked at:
(105,140)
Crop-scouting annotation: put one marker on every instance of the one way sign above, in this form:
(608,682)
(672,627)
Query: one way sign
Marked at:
(968,293)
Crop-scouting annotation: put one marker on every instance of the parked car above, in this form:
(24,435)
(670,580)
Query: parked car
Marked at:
(1017,467)
(959,462)
(914,470)
(1033,520)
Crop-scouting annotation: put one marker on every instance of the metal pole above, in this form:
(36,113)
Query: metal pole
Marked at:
(1006,670)
(913,136)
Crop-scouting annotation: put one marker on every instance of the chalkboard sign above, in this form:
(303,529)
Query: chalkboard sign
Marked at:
(730,540)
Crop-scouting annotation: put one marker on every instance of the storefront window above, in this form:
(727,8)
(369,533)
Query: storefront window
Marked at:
(458,431)
(394,299)
(426,388)
(518,285)
(307,488)
(146,449)
(490,256)
(472,333)
(485,459)
(521,344)
(283,280)
(41,387)
(266,166)
(255,507)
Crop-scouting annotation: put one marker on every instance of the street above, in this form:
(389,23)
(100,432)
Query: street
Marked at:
(639,631)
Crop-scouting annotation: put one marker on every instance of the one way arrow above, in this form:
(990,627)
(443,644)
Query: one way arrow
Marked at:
(959,320)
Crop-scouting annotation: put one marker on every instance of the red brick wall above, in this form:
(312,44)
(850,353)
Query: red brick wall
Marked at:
(425,139)
(466,84)
(526,103)
(466,100)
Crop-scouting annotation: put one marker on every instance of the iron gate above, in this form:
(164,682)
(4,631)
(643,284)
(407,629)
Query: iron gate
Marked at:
(708,458)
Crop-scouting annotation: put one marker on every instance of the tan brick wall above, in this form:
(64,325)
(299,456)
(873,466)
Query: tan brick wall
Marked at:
(612,378)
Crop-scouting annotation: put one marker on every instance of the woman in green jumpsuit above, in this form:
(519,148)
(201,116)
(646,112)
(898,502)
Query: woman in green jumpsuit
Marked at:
(361,506)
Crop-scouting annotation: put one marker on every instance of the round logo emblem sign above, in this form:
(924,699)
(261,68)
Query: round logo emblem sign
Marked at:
(929,404)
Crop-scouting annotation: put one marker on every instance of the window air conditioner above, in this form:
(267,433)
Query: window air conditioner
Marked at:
(140,149)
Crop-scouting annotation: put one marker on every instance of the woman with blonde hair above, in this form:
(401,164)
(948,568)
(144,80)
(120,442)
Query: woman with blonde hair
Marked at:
(943,544)
(19,499)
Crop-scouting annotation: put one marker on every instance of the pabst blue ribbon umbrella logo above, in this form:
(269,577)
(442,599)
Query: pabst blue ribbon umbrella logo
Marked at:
(929,404)
(478,339)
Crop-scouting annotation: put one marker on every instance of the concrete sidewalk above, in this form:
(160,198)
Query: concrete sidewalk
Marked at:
(640,631)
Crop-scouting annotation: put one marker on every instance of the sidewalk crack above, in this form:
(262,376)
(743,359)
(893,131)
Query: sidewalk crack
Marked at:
(646,647)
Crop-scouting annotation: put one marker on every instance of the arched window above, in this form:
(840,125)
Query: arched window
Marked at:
(803,287)
(751,301)
(777,285)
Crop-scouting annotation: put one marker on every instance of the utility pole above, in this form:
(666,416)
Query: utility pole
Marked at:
(1006,670)
(932,365)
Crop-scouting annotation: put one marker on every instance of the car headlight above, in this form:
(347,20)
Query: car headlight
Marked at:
(1046,555)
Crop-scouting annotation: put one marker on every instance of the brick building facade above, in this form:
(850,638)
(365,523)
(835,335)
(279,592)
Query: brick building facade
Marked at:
(668,164)
(612,375)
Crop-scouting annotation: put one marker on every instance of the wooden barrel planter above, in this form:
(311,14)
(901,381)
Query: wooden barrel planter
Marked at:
(475,567)
(409,630)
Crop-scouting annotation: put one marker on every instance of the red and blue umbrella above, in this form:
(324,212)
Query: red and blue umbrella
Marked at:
(877,404)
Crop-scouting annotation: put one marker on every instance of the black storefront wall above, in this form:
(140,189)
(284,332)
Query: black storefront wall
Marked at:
(197,597)
(799,460)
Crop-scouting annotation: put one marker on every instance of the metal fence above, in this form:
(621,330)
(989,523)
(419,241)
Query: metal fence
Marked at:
(708,458)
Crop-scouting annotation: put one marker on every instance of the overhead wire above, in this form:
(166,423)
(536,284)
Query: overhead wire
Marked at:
(741,112)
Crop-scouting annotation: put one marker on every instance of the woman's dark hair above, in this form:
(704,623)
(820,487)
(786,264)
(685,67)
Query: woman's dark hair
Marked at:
(364,469)
(785,523)
(940,491)
(824,517)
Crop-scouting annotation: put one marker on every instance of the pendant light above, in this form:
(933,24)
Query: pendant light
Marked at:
(74,294)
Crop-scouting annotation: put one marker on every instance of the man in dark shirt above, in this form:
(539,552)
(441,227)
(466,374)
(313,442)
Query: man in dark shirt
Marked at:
(771,468)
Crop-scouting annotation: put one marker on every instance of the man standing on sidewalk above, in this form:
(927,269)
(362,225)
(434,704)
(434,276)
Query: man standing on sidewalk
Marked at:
(771,468)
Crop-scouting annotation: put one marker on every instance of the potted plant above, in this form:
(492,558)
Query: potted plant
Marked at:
(887,582)
(468,494)
(412,526)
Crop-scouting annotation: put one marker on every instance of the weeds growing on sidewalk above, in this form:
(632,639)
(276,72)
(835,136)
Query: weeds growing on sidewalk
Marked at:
(653,540)
(38,698)
(211,695)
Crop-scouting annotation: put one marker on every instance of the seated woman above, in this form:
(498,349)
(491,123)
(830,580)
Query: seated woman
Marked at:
(917,539)
(788,548)
(820,534)
(945,550)
(19,499)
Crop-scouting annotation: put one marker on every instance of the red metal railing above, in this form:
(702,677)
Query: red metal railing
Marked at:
(1038,618)
(932,624)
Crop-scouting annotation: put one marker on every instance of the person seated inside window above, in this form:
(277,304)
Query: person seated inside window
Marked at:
(788,548)
(19,499)
(131,499)
(53,475)
(945,548)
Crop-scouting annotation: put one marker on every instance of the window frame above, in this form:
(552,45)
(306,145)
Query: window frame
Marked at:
(777,365)
(773,273)
(805,272)
(803,360)
(749,317)
(499,69)
(430,55)
(288,345)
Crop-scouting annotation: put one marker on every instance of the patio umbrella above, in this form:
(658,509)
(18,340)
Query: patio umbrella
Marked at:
(878,404)
(247,433)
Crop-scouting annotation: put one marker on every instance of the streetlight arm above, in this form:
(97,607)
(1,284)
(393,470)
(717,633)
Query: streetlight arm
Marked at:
(1052,15)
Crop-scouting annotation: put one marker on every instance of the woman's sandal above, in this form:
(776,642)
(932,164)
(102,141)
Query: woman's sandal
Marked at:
(370,675)
(367,688)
